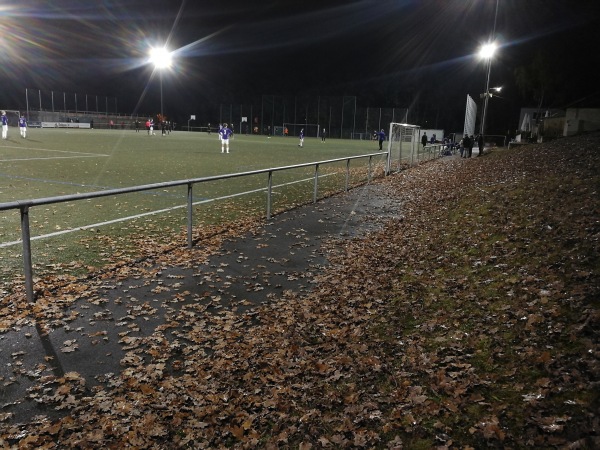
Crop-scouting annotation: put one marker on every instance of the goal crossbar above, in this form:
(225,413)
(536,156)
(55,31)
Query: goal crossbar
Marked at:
(310,129)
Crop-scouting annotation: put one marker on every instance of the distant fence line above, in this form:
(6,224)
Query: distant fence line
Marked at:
(70,107)
(69,102)
(340,116)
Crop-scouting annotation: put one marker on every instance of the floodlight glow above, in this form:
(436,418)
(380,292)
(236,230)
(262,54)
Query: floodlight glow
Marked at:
(487,51)
(160,57)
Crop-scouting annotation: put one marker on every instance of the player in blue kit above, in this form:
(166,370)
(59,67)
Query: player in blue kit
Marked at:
(225,133)
(4,125)
(301,144)
(381,138)
(23,126)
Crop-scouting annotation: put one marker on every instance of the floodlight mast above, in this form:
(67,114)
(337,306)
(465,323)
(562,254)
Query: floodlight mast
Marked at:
(161,58)
(487,52)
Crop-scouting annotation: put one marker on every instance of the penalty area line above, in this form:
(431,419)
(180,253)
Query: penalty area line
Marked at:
(54,151)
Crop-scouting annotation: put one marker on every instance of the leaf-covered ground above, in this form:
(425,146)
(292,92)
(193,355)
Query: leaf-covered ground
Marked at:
(470,320)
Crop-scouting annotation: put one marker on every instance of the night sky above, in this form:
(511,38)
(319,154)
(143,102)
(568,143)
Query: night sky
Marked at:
(387,53)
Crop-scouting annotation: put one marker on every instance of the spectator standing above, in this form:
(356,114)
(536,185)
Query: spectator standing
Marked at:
(471,145)
(225,133)
(424,140)
(466,145)
(23,126)
(381,138)
(480,144)
(301,144)
(4,125)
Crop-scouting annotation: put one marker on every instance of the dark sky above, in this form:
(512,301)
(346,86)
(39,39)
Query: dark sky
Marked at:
(388,53)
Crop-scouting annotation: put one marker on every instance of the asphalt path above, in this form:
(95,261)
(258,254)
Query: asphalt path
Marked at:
(88,345)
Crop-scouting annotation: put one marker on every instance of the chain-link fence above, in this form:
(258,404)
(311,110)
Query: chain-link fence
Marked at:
(340,117)
(68,107)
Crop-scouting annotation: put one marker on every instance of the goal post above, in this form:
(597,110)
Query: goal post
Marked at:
(403,146)
(310,129)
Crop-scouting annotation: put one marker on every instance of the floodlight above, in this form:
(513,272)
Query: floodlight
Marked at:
(487,50)
(160,57)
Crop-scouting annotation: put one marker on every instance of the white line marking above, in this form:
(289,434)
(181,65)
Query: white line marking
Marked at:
(83,155)
(53,150)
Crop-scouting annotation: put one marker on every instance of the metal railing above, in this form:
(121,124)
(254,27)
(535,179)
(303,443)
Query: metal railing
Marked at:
(431,151)
(25,205)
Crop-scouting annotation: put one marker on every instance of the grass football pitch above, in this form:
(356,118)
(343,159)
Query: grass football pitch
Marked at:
(56,162)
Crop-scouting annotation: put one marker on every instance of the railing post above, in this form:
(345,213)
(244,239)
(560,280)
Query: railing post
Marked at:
(400,154)
(388,160)
(347,173)
(269,192)
(28,269)
(369,172)
(316,183)
(190,209)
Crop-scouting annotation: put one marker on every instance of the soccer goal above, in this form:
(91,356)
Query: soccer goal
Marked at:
(403,146)
(310,129)
(363,136)
(13,116)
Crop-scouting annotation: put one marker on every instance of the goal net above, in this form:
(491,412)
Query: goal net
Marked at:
(403,146)
(13,116)
(310,129)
